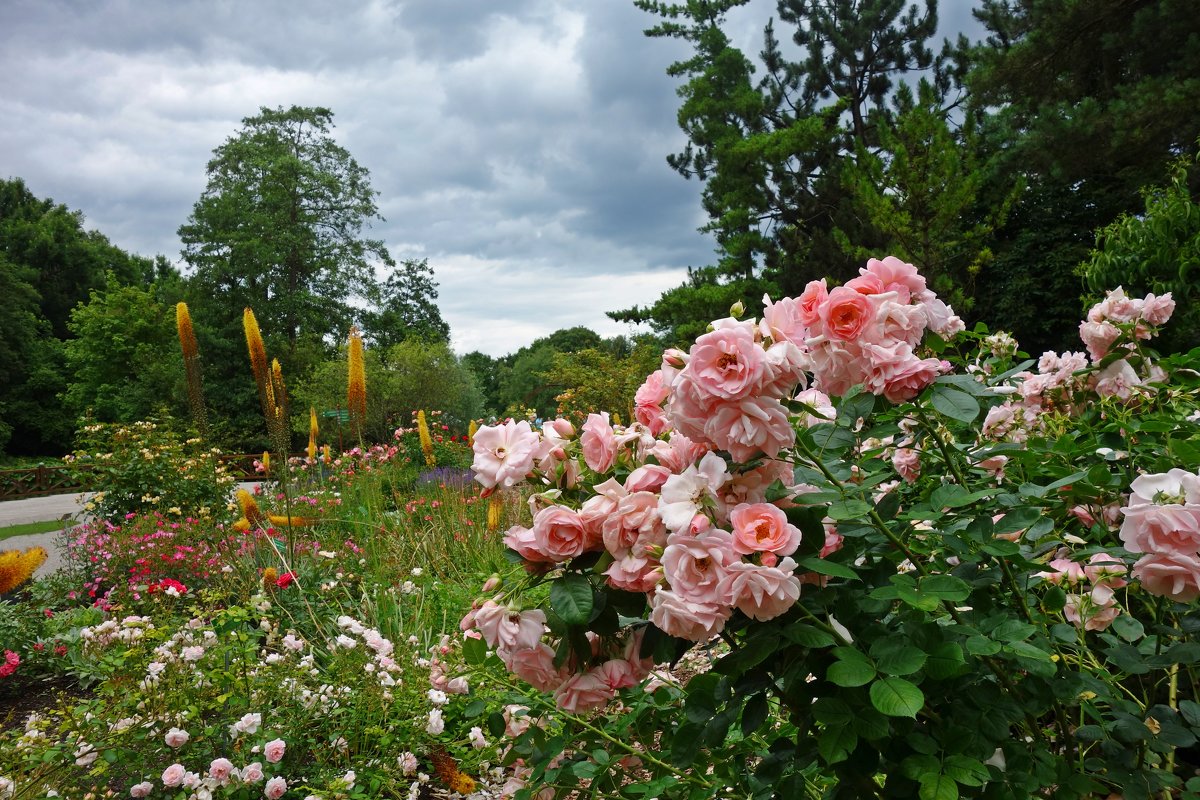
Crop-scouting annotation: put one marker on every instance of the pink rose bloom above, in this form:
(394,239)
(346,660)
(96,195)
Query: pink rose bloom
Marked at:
(909,379)
(252,772)
(1098,337)
(821,403)
(785,368)
(503,453)
(583,692)
(647,403)
(634,573)
(273,750)
(142,789)
(559,535)
(647,478)
(1081,612)
(173,775)
(837,366)
(599,443)
(1173,486)
(907,462)
(535,666)
(810,301)
(1157,309)
(941,318)
(726,363)
(522,540)
(866,284)
(505,628)
(1150,528)
(617,674)
(761,593)
(896,276)
(1117,380)
(1063,569)
(762,528)
(1173,575)
(220,769)
(688,619)
(749,427)
(783,321)
(275,788)
(636,517)
(903,322)
(678,452)
(688,407)
(694,565)
(176,737)
(845,314)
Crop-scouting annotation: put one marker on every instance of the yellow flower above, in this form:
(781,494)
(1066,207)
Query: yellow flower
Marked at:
(471,430)
(312,433)
(17,567)
(426,440)
(495,509)
(258,353)
(269,576)
(356,388)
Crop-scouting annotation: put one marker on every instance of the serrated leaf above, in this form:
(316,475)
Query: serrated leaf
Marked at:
(937,787)
(823,566)
(754,714)
(474,650)
(966,770)
(808,636)
(1128,628)
(896,657)
(896,697)
(954,403)
(945,587)
(832,712)
(848,510)
(571,598)
(837,743)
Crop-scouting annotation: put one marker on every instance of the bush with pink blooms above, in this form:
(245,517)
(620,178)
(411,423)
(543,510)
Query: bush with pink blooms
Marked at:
(906,561)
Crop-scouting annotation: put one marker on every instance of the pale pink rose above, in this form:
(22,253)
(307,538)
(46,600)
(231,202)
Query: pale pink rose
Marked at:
(273,750)
(810,301)
(866,284)
(1084,515)
(903,322)
(142,789)
(1173,575)
(679,452)
(526,545)
(636,516)
(583,692)
(896,276)
(1082,612)
(647,478)
(506,628)
(1157,309)
(845,314)
(1098,337)
(535,666)
(783,321)
(617,674)
(750,427)
(693,620)
(600,506)
(694,565)
(634,573)
(761,593)
(688,407)
(648,401)
(1151,528)
(727,363)
(173,775)
(906,382)
(837,366)
(503,453)
(275,788)
(907,462)
(820,402)
(598,442)
(252,772)
(995,465)
(762,528)
(1063,569)
(833,541)
(1118,380)
(435,723)
(220,769)
(176,737)
(1173,486)
(942,319)
(559,535)
(784,370)
(687,494)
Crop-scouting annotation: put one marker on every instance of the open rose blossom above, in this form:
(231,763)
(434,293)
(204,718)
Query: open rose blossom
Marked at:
(1172,575)
(503,453)
(763,528)
(273,750)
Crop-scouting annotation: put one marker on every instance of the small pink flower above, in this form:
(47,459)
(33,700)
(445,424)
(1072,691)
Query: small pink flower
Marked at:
(727,363)
(273,750)
(176,737)
(582,692)
(220,769)
(142,789)
(1173,575)
(846,314)
(275,788)
(762,528)
(598,442)
(252,772)
(173,775)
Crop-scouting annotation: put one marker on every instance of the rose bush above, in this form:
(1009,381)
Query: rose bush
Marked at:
(920,566)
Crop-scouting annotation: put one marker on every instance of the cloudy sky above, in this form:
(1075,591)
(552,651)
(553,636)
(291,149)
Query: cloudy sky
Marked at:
(519,145)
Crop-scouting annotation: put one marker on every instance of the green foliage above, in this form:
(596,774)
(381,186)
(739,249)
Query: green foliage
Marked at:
(146,466)
(1157,251)
(595,380)
(407,308)
(527,379)
(124,359)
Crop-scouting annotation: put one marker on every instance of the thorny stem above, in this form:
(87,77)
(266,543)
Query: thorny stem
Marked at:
(931,429)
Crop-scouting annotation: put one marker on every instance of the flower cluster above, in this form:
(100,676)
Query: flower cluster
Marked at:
(11,662)
(1162,521)
(16,566)
(1095,609)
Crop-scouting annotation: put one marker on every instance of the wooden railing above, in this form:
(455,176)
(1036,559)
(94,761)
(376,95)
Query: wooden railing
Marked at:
(44,480)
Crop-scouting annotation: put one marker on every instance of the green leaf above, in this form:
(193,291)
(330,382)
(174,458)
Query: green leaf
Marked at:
(474,709)
(837,743)
(571,598)
(897,657)
(474,650)
(832,712)
(849,510)
(966,770)
(945,587)
(1128,628)
(896,697)
(948,495)
(701,702)
(851,669)
(685,745)
(822,566)
(754,714)
(937,787)
(954,403)
(808,636)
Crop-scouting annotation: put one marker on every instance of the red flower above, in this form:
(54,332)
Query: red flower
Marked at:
(11,660)
(285,580)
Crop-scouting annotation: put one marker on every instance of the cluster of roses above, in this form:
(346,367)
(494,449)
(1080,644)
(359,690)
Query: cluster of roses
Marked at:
(694,533)
(1162,521)
(1060,383)
(1095,609)
(11,662)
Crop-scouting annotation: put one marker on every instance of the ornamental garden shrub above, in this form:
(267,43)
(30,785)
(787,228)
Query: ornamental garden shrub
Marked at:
(915,562)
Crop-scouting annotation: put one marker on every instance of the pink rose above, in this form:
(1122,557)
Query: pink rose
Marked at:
(694,565)
(762,528)
(688,619)
(761,593)
(1173,486)
(252,772)
(503,453)
(1118,380)
(907,462)
(617,674)
(583,692)
(907,381)
(810,301)
(535,666)
(1150,528)
(866,284)
(1098,337)
(142,789)
(1173,575)
(750,427)
(633,573)
(220,769)
(785,368)
(783,321)
(1082,612)
(837,366)
(173,775)
(647,478)
(273,750)
(903,322)
(647,403)
(636,517)
(599,443)
(559,535)
(726,363)
(275,788)
(896,276)
(176,737)
(845,314)
(1158,309)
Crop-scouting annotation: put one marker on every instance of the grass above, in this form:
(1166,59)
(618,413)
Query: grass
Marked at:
(29,528)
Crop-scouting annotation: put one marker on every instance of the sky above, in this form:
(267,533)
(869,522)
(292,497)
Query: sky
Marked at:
(519,145)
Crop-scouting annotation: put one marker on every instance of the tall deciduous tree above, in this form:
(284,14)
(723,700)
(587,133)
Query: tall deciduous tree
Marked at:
(407,307)
(280,227)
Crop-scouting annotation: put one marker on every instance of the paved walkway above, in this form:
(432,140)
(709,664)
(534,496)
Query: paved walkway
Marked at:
(65,507)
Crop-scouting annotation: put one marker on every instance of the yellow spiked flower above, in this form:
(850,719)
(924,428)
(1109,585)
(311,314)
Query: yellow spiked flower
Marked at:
(326,456)
(191,367)
(312,433)
(292,522)
(356,389)
(495,511)
(17,567)
(258,356)
(278,386)
(250,510)
(266,461)
(426,440)
(269,576)
(472,429)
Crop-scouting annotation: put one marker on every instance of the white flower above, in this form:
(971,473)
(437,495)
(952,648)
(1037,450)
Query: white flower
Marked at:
(437,697)
(85,755)
(417,572)
(345,641)
(407,762)
(176,737)
(436,724)
(476,737)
